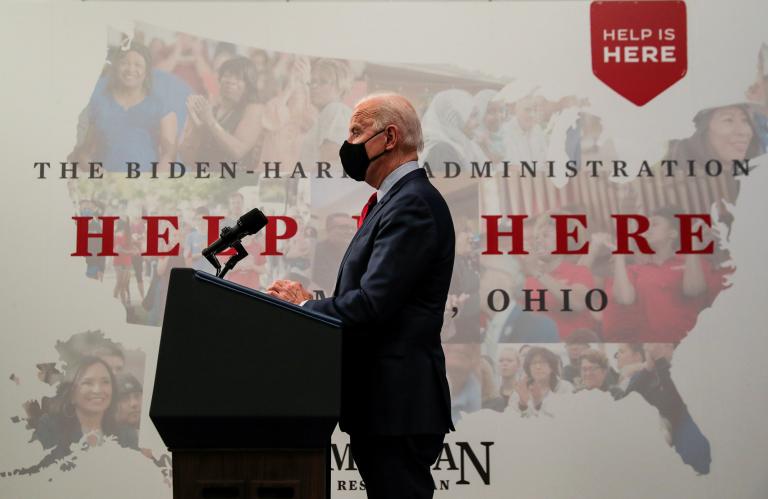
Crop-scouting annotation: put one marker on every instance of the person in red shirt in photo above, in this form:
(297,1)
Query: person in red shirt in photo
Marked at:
(663,295)
(554,273)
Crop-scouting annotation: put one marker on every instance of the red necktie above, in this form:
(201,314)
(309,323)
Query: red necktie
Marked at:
(366,209)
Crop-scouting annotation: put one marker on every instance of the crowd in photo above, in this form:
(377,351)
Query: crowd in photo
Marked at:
(140,282)
(529,380)
(650,297)
(166,95)
(98,396)
(642,297)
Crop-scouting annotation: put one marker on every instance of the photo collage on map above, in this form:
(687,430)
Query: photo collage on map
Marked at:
(281,118)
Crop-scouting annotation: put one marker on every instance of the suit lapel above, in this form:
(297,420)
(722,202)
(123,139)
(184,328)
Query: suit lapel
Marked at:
(373,212)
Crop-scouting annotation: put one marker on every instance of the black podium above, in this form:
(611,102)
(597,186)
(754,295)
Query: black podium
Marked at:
(246,392)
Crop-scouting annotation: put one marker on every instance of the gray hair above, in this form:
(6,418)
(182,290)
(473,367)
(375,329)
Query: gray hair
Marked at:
(394,109)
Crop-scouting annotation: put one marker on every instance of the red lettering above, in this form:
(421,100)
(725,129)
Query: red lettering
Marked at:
(493,234)
(623,234)
(291,228)
(687,234)
(563,234)
(107,236)
(154,236)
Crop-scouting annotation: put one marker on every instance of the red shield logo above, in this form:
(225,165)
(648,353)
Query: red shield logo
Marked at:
(639,49)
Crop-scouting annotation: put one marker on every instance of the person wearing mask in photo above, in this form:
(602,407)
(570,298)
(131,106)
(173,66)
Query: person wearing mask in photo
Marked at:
(663,298)
(595,371)
(230,128)
(532,395)
(509,372)
(128,121)
(551,272)
(575,345)
(85,410)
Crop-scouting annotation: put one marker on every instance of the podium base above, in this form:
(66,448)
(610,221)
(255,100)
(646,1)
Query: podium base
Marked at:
(251,473)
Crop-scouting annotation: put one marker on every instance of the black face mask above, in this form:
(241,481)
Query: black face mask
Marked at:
(354,158)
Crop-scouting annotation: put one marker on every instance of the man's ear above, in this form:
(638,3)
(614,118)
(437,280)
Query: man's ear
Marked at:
(393,137)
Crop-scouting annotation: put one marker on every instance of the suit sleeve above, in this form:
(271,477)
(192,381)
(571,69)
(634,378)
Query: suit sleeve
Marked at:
(400,258)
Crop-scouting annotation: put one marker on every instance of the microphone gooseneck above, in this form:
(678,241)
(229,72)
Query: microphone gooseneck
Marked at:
(229,237)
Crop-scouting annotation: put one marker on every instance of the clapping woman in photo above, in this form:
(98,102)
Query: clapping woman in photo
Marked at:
(541,379)
(230,128)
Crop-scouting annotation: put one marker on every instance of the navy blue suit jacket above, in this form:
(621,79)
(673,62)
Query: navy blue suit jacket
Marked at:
(390,295)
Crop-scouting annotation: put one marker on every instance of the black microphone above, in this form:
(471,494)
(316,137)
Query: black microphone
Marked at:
(250,223)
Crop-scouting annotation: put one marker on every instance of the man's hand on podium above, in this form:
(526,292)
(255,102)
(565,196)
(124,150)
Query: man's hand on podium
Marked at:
(291,291)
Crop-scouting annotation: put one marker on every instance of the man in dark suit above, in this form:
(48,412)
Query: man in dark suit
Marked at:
(390,295)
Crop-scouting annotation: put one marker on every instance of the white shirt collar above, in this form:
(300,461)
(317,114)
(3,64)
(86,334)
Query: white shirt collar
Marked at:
(395,175)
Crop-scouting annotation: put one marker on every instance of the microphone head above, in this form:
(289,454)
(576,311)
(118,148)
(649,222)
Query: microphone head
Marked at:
(252,222)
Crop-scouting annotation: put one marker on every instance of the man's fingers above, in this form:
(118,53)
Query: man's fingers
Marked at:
(286,290)
(278,285)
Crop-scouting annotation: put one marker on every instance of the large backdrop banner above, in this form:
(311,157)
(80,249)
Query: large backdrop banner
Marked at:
(604,163)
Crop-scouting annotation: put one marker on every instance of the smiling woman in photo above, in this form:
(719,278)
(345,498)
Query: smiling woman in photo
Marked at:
(84,411)
(723,135)
(127,121)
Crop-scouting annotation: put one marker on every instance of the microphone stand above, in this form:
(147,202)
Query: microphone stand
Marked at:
(239,255)
(214,261)
(210,252)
